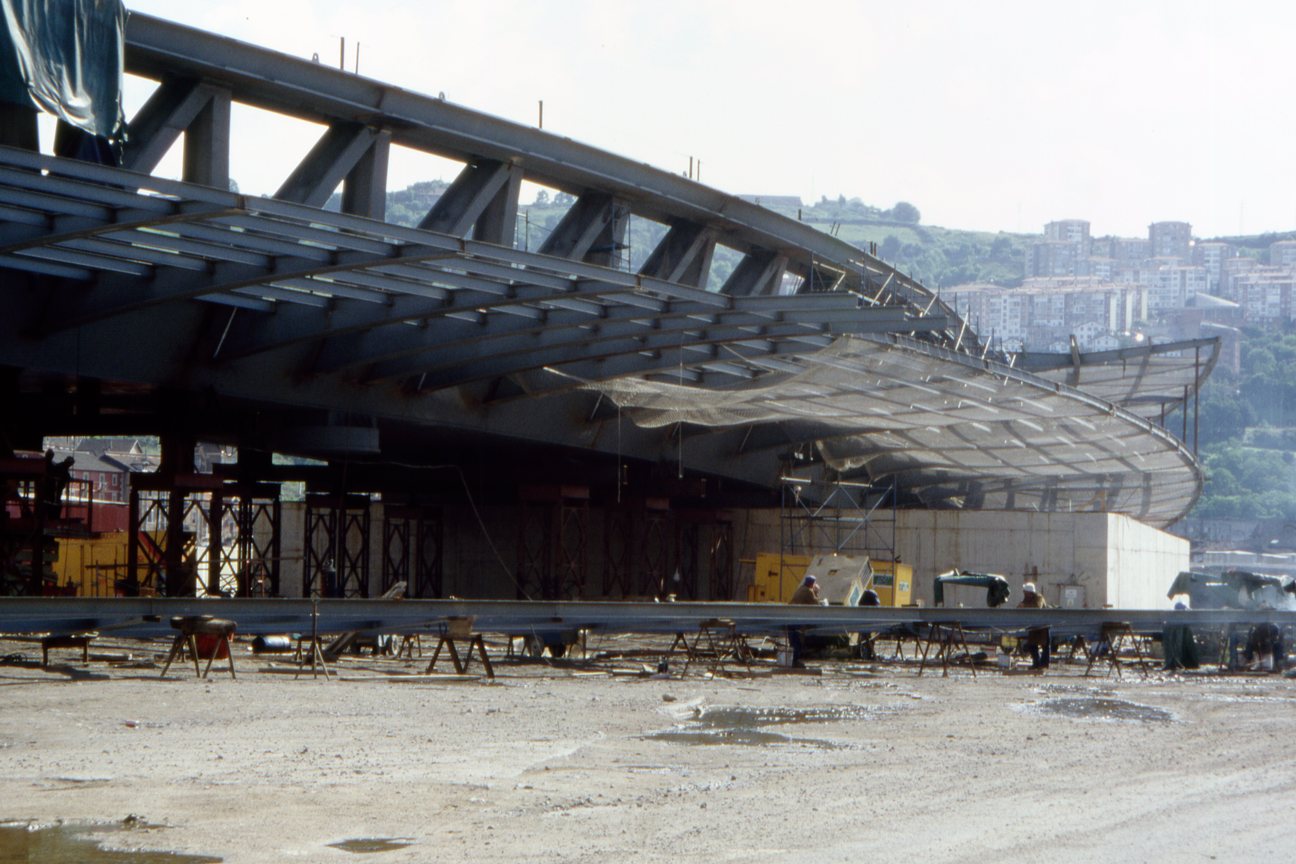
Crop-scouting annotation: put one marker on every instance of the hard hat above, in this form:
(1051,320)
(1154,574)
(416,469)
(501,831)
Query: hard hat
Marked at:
(809,580)
(1028,588)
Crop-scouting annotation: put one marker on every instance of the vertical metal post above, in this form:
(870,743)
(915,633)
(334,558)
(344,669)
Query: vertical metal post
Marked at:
(130,586)
(1196,397)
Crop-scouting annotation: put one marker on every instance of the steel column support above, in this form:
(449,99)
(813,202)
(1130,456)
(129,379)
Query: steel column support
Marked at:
(592,230)
(333,158)
(572,563)
(534,555)
(483,197)
(364,191)
(248,551)
(156,127)
(683,255)
(207,143)
(757,273)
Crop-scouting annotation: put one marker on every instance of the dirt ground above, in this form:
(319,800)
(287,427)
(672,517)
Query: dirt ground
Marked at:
(568,761)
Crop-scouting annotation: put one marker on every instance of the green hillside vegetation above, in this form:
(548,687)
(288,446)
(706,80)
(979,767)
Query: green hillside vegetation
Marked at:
(935,256)
(1248,430)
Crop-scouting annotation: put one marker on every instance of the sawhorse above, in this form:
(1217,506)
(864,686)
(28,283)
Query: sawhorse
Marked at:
(457,629)
(190,628)
(1112,634)
(717,642)
(946,636)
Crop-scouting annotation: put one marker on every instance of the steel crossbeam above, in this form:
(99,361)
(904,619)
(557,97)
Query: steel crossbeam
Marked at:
(150,617)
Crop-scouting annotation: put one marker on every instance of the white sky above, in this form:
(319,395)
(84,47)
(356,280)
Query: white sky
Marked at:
(996,115)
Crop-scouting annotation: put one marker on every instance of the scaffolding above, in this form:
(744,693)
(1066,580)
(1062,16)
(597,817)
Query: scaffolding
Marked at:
(843,517)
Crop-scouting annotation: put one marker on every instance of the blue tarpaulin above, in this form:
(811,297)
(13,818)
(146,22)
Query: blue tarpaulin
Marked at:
(65,57)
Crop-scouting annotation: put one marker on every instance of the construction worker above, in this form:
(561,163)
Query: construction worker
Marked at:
(1037,638)
(806,594)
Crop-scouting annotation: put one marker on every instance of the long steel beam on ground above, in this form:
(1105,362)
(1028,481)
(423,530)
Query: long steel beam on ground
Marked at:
(145,617)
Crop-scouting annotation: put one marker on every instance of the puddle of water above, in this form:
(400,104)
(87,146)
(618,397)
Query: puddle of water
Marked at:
(1102,708)
(747,726)
(366,845)
(740,737)
(71,843)
(730,718)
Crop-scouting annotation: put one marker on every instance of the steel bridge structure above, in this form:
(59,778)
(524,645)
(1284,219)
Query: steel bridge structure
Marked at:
(136,304)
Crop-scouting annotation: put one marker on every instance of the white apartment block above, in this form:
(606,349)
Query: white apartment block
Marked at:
(1282,253)
(1073,231)
(1232,270)
(1044,313)
(1171,240)
(1212,256)
(1175,286)
(1265,295)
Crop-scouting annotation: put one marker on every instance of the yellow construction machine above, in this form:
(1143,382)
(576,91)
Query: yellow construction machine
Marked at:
(842,578)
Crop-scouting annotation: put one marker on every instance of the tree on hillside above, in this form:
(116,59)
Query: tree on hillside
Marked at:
(890,248)
(903,211)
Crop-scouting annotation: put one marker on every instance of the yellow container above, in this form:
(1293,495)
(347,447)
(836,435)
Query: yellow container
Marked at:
(92,564)
(893,582)
(776,577)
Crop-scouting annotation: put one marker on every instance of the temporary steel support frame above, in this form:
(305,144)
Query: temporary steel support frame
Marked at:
(337,545)
(837,516)
(256,514)
(413,538)
(162,555)
(553,542)
(618,552)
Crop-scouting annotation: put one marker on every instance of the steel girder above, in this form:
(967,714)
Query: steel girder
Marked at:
(165,51)
(324,260)
(140,617)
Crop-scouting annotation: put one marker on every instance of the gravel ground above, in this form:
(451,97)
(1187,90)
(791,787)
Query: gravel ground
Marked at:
(568,761)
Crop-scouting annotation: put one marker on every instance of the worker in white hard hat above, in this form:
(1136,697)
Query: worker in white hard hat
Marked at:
(1038,641)
(806,594)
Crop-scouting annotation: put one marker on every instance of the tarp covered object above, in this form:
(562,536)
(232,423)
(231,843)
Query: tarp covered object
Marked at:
(65,57)
(996,586)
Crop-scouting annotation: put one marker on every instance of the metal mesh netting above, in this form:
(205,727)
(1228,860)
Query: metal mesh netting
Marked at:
(945,423)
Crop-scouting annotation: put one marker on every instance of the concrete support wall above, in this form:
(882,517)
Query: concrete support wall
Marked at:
(1104,559)
(1097,559)
(1145,562)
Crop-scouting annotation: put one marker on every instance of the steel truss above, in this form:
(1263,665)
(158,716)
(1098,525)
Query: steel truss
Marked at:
(196,534)
(337,546)
(413,539)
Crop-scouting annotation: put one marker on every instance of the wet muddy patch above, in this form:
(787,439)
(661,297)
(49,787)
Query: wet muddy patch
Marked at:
(756,727)
(1104,708)
(370,845)
(79,843)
